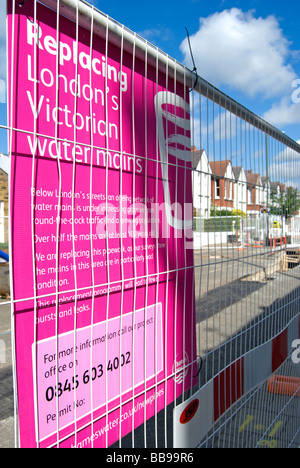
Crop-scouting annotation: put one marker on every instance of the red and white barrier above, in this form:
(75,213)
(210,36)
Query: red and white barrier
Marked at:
(194,418)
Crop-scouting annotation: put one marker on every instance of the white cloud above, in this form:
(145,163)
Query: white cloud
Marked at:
(283,113)
(2,92)
(288,173)
(3,40)
(285,166)
(2,60)
(246,53)
(3,20)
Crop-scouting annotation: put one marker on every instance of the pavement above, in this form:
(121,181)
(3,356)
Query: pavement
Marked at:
(234,290)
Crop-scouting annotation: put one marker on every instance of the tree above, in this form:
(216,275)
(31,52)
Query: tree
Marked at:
(276,203)
(290,203)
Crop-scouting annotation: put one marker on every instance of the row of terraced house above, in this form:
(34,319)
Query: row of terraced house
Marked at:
(220,184)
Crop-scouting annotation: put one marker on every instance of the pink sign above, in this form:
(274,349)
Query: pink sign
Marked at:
(101,233)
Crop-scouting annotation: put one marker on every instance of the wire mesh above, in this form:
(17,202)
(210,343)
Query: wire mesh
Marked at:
(139,203)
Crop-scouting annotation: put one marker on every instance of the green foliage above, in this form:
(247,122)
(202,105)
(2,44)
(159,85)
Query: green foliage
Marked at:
(239,213)
(286,204)
(222,224)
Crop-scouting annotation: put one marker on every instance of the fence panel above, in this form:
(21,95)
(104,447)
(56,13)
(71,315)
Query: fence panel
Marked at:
(154,259)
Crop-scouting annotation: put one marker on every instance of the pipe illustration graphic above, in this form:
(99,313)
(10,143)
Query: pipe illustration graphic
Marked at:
(167,105)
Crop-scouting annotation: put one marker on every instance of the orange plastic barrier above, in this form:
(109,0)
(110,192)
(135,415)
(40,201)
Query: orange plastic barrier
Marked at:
(284,385)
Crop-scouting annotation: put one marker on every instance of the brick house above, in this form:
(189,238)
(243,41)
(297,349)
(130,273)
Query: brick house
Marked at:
(201,183)
(266,183)
(255,192)
(222,184)
(240,189)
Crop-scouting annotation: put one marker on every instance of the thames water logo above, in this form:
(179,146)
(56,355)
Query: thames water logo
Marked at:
(180,368)
(167,107)
(296,353)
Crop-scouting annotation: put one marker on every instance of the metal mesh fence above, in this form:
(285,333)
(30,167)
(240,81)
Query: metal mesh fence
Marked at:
(154,247)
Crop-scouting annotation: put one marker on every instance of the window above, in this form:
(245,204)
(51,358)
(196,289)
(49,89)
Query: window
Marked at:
(250,196)
(217,188)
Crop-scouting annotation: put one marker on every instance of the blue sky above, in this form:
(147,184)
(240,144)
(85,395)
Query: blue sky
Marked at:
(250,49)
